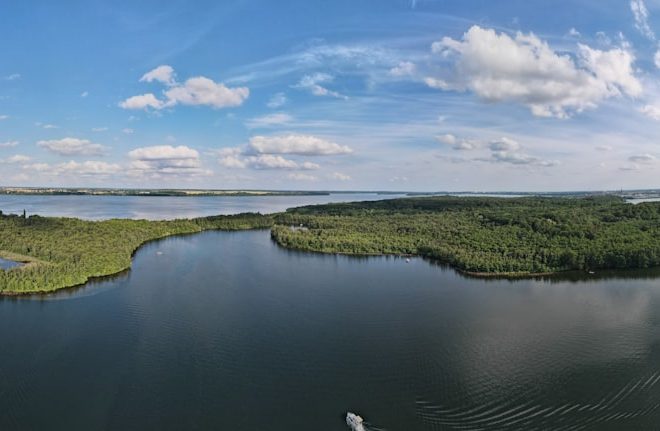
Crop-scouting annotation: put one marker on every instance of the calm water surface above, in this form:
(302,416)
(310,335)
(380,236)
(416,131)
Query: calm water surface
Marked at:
(8,264)
(227,331)
(165,207)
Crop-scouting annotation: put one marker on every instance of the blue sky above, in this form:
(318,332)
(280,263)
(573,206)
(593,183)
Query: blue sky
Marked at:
(357,95)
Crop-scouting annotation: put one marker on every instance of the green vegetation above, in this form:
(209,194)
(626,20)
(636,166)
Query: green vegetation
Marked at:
(65,252)
(488,236)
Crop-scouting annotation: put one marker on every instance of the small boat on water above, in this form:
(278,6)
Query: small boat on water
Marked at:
(355,422)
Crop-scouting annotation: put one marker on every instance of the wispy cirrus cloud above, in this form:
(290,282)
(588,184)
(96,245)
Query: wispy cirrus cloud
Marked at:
(302,177)
(641,15)
(313,84)
(88,168)
(269,120)
(277,100)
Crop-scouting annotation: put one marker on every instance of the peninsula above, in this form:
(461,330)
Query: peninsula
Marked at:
(485,236)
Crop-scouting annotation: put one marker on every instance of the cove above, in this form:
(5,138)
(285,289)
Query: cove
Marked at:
(226,330)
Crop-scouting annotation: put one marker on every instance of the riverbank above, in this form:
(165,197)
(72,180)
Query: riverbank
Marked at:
(481,237)
(67,252)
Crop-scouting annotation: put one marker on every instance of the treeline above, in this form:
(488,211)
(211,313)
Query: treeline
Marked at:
(67,252)
(479,235)
(485,235)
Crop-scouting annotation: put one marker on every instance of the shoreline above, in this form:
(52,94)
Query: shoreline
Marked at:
(94,278)
(511,276)
(459,233)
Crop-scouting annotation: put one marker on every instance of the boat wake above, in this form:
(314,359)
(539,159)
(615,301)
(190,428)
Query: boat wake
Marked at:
(626,408)
(356,423)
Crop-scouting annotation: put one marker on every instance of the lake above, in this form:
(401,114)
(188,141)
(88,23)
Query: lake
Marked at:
(228,331)
(90,207)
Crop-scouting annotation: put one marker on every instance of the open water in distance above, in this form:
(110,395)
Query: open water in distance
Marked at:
(90,207)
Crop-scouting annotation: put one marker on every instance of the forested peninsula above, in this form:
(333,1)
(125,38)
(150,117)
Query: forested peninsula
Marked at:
(478,235)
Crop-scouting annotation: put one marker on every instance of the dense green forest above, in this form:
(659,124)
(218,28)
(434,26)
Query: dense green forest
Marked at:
(64,252)
(485,235)
(489,236)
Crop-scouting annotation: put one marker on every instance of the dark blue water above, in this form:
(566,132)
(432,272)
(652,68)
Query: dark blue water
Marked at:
(90,207)
(227,331)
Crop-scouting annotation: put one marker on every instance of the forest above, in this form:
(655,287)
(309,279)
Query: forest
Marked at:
(477,235)
(485,236)
(66,252)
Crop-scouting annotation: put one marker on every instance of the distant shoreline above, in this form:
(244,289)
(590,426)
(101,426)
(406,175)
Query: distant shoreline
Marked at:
(150,192)
(641,194)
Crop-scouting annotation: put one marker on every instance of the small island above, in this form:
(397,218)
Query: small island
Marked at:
(482,236)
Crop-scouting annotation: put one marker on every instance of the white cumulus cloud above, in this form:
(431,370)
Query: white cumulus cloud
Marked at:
(266,152)
(18,158)
(404,68)
(265,162)
(143,101)
(504,144)
(204,91)
(524,69)
(72,147)
(506,150)
(160,160)
(651,111)
(456,143)
(196,91)
(304,145)
(163,74)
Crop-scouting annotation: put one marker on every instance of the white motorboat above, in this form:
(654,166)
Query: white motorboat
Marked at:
(355,422)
